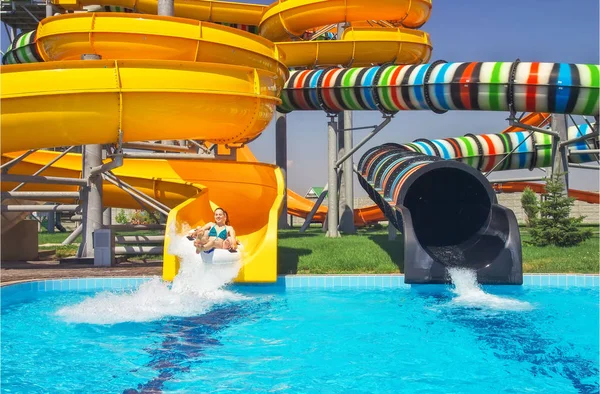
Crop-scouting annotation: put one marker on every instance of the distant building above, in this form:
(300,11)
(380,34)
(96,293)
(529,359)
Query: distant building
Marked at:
(314,192)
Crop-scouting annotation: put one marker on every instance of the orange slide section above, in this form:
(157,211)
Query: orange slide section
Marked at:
(516,187)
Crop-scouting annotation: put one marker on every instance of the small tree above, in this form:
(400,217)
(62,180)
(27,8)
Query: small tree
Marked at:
(554,226)
(529,201)
(122,217)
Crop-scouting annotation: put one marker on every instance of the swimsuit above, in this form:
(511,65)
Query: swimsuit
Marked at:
(213,233)
(222,234)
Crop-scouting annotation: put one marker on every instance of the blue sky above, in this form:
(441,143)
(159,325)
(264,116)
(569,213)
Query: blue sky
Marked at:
(467,30)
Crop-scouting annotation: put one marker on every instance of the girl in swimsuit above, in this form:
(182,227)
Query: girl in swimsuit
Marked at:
(216,235)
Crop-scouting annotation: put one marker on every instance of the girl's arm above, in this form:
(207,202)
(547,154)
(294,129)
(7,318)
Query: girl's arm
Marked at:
(233,238)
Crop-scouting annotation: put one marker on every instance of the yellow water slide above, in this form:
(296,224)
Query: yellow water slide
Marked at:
(193,189)
(174,78)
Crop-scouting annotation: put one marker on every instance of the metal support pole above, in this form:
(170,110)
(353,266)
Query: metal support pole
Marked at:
(73,235)
(346,185)
(57,158)
(372,134)
(332,199)
(107,216)
(92,195)
(39,195)
(314,209)
(49,10)
(137,195)
(40,208)
(589,167)
(43,179)
(166,7)
(157,147)
(523,179)
(559,153)
(7,166)
(281,161)
(50,223)
(392,232)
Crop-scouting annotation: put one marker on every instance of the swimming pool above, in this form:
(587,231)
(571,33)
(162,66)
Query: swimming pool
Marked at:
(350,334)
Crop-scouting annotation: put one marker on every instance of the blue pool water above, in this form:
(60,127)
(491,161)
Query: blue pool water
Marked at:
(264,339)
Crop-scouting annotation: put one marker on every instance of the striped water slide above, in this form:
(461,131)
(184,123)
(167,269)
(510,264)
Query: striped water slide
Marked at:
(487,151)
(440,87)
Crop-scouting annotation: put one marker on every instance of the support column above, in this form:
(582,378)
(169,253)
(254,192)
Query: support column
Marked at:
(332,194)
(346,185)
(392,232)
(560,161)
(166,7)
(281,161)
(107,216)
(92,199)
(49,10)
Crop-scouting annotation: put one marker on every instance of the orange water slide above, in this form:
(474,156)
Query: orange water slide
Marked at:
(516,187)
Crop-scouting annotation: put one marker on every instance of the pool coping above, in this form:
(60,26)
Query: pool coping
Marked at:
(327,281)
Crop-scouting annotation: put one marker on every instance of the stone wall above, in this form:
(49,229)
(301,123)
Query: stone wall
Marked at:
(509,200)
(513,202)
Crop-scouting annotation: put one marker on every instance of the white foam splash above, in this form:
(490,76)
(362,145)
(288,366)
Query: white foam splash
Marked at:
(195,290)
(470,294)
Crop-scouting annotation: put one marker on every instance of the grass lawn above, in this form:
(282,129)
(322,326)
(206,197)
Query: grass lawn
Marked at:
(369,251)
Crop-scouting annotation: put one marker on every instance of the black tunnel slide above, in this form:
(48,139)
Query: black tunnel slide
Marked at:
(448,214)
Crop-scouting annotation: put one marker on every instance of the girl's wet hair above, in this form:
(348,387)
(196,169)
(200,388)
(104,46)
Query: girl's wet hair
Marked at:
(226,215)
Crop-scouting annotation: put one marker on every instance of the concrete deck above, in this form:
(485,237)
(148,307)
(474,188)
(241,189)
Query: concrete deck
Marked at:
(18,271)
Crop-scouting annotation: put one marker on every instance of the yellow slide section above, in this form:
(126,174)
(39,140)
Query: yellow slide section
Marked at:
(90,102)
(362,45)
(250,192)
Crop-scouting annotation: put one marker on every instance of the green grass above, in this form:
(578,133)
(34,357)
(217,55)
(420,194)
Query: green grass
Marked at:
(583,258)
(313,253)
(370,252)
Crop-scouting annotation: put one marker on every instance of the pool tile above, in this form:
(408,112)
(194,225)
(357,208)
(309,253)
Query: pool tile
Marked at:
(545,280)
(370,281)
(329,282)
(562,280)
(304,281)
(337,281)
(345,281)
(571,280)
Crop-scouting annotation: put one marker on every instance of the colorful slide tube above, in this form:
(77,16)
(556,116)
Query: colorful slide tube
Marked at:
(487,151)
(448,214)
(193,189)
(440,86)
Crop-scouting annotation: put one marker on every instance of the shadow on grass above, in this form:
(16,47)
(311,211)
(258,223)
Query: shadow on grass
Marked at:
(395,248)
(288,258)
(297,234)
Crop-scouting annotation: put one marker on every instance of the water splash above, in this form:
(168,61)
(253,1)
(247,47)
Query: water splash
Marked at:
(470,294)
(194,291)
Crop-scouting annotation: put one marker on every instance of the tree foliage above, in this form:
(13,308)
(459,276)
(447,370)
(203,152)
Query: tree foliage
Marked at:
(554,225)
(530,203)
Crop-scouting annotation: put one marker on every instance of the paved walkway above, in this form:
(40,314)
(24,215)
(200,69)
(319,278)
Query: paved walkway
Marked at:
(17,271)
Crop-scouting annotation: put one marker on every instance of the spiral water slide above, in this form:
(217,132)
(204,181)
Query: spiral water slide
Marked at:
(174,78)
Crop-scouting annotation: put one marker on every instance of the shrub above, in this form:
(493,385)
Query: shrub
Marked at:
(554,226)
(121,217)
(529,201)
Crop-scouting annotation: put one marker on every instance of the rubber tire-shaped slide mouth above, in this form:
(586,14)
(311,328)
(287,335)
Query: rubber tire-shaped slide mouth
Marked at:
(449,216)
